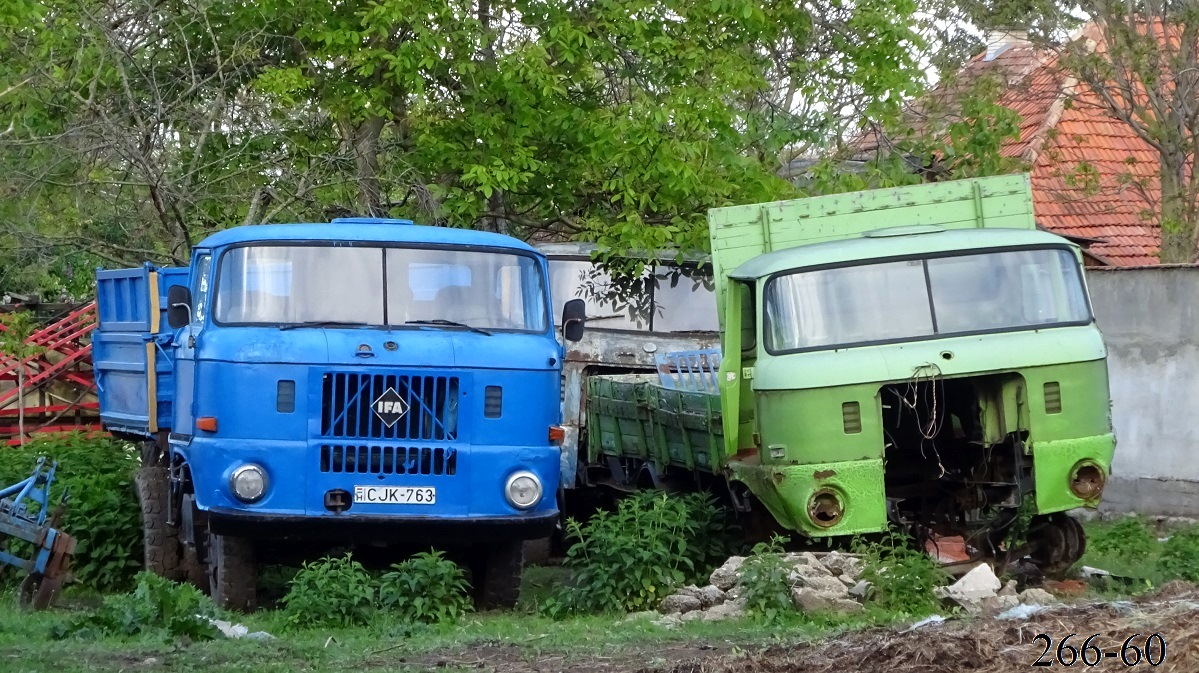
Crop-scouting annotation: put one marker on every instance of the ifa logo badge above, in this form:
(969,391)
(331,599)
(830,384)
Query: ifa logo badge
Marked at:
(390,407)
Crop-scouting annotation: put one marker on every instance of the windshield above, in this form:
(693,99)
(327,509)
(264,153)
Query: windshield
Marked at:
(676,299)
(293,284)
(914,299)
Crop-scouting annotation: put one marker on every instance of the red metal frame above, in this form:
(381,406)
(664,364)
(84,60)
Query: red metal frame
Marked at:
(63,362)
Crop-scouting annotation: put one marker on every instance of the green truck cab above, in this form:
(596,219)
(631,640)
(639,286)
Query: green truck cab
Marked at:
(921,357)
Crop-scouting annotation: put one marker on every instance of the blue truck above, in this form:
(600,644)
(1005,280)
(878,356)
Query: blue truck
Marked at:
(363,384)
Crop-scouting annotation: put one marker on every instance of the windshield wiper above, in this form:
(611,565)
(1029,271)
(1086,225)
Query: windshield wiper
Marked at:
(321,323)
(448,323)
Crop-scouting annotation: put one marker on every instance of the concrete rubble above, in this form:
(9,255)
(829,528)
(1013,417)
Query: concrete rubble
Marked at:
(832,582)
(980,590)
(826,582)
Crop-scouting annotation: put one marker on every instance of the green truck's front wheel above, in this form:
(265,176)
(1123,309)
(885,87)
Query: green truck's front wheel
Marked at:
(232,572)
(1056,542)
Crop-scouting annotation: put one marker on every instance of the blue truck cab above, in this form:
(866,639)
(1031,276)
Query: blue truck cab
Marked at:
(366,384)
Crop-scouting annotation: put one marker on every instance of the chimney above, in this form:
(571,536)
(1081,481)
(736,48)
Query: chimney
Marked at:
(1000,39)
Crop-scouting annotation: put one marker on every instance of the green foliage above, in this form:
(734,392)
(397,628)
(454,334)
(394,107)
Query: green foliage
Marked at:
(902,575)
(334,591)
(975,141)
(14,338)
(157,606)
(1180,556)
(1017,533)
(766,581)
(1129,539)
(620,123)
(632,558)
(959,132)
(427,588)
(1129,549)
(102,514)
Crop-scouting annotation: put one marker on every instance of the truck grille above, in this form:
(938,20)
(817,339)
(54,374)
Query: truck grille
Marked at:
(389,460)
(430,412)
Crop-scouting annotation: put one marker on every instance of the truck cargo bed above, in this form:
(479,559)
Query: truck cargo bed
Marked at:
(131,304)
(635,416)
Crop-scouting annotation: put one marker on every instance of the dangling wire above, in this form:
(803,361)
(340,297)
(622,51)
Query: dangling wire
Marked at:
(930,430)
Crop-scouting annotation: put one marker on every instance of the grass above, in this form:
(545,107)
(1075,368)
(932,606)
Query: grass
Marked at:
(1139,554)
(26,645)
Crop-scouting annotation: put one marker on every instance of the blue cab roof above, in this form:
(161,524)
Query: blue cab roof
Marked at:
(363,229)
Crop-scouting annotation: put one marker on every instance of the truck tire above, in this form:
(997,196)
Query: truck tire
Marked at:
(162,551)
(538,552)
(496,575)
(194,571)
(232,572)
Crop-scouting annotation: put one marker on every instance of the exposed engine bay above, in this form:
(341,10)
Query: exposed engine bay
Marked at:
(955,455)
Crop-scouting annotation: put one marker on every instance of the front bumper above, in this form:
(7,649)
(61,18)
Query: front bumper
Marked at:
(350,528)
(1054,464)
(788,491)
(471,494)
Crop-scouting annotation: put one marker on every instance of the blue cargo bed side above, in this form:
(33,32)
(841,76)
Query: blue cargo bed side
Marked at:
(129,343)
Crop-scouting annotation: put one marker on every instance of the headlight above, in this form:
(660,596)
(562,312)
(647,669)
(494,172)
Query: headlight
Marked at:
(1087,480)
(825,508)
(523,490)
(248,483)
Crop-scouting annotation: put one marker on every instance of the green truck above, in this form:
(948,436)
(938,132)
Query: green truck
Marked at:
(920,357)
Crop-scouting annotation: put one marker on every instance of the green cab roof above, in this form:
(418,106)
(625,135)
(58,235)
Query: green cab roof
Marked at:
(892,243)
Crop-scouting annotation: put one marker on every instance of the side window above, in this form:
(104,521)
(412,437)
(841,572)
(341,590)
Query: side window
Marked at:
(684,300)
(609,305)
(200,288)
(749,317)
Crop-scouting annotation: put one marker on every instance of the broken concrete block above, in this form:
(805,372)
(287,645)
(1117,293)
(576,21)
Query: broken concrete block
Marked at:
(679,603)
(999,602)
(1009,589)
(809,571)
(810,559)
(810,600)
(729,610)
(1037,597)
(711,595)
(842,565)
(977,584)
(824,584)
(725,577)
(847,605)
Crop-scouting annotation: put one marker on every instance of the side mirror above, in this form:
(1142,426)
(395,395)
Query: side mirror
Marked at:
(574,313)
(179,306)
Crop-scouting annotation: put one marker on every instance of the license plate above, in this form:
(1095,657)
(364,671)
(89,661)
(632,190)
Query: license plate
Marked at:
(395,495)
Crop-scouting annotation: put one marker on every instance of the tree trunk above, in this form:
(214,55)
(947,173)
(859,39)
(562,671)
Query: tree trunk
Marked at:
(365,142)
(497,205)
(1177,220)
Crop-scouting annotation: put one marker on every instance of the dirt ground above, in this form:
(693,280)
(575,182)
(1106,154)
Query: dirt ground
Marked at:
(984,644)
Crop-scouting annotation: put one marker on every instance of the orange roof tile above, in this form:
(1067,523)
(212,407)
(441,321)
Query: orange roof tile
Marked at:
(1092,177)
